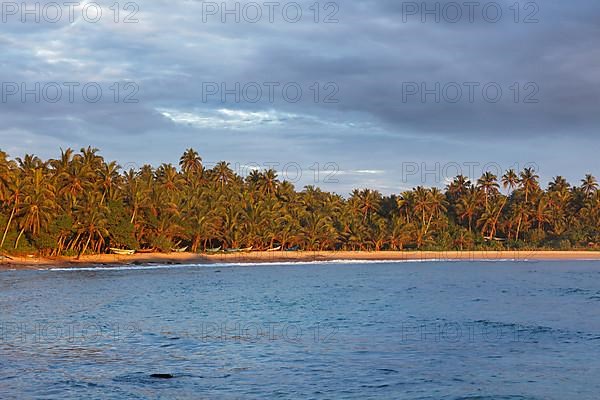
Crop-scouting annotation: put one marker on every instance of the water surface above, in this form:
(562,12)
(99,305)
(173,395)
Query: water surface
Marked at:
(426,330)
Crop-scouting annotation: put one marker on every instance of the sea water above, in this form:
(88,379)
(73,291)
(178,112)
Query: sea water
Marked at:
(339,330)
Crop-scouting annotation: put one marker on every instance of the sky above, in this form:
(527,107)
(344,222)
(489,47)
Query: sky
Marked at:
(382,94)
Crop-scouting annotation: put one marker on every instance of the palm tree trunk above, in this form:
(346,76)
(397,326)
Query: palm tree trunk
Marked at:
(19,238)
(85,247)
(12,214)
(498,217)
(75,241)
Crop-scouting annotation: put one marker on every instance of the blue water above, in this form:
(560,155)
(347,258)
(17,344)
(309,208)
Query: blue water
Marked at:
(427,330)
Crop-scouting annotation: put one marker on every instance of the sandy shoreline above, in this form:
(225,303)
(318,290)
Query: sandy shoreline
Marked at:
(104,260)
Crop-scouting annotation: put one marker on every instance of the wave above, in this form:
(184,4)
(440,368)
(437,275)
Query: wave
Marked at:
(279,263)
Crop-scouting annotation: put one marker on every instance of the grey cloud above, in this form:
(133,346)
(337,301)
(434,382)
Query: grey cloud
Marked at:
(170,53)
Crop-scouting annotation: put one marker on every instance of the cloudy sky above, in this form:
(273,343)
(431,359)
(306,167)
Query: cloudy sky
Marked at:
(363,93)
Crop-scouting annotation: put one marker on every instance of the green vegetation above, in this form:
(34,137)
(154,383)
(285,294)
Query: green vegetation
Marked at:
(80,203)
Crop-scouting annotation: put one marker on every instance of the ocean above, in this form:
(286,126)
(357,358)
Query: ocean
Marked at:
(334,330)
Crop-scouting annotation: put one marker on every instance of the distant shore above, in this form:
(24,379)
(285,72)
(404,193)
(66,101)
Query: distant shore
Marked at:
(107,260)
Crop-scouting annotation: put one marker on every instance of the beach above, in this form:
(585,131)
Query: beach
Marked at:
(104,260)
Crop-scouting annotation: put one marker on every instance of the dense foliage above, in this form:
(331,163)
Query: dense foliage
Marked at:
(80,203)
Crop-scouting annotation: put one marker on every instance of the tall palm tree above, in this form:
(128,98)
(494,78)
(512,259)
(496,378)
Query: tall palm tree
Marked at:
(268,182)
(109,180)
(458,186)
(366,202)
(91,222)
(510,180)
(15,187)
(589,185)
(468,205)
(489,183)
(521,214)
(37,206)
(222,174)
(558,184)
(191,162)
(529,182)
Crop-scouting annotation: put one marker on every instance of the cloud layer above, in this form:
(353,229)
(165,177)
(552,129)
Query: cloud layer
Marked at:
(378,91)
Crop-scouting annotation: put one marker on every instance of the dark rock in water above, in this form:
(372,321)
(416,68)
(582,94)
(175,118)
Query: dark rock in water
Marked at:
(162,376)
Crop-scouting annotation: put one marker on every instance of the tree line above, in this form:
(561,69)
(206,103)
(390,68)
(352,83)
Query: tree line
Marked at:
(80,203)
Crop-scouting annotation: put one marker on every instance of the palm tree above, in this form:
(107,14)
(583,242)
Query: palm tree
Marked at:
(15,187)
(191,162)
(558,200)
(222,174)
(589,185)
(109,179)
(405,204)
(510,180)
(468,205)
(521,214)
(135,192)
(92,223)
(542,213)
(37,205)
(169,179)
(529,182)
(267,182)
(317,231)
(458,186)
(489,218)
(366,202)
(488,182)
(6,169)
(74,180)
(558,184)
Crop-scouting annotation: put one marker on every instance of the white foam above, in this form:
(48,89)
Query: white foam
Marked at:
(282,263)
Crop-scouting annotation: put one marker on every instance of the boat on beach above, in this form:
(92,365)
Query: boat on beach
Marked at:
(496,239)
(275,249)
(122,252)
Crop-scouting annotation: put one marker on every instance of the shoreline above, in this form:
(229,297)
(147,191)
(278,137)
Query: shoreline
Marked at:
(258,257)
